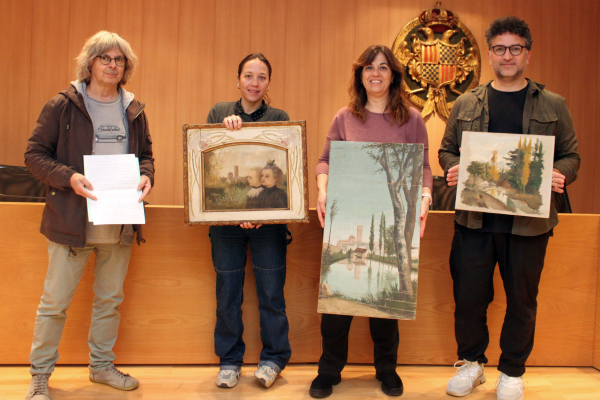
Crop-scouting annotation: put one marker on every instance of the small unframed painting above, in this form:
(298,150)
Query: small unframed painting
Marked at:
(505,173)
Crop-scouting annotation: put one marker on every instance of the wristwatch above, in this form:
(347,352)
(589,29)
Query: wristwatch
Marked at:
(430,198)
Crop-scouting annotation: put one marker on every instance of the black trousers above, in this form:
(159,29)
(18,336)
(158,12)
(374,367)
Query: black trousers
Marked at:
(335,330)
(472,262)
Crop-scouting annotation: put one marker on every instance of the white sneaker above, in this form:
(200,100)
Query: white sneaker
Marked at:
(509,388)
(38,388)
(227,378)
(467,376)
(266,375)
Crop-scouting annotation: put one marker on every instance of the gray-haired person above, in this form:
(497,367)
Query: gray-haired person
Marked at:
(95,115)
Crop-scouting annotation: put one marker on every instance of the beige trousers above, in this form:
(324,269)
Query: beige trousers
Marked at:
(64,273)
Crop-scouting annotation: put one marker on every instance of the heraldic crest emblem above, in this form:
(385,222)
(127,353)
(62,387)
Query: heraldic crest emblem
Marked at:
(441,60)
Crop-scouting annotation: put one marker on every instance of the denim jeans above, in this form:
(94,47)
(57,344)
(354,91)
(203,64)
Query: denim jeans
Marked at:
(268,248)
(64,273)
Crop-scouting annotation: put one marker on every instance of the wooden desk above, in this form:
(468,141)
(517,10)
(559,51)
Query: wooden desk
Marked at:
(169,312)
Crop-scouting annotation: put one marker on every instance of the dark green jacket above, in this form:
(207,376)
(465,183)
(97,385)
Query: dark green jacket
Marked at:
(545,113)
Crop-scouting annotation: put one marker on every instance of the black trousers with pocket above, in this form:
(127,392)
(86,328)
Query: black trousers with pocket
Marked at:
(473,259)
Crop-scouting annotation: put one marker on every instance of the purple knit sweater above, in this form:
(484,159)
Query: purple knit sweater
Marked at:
(377,128)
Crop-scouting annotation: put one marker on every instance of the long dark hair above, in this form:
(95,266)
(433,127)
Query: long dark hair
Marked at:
(260,57)
(397,107)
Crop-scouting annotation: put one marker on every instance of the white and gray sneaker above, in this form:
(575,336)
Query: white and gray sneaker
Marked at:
(38,388)
(509,388)
(227,378)
(266,375)
(467,376)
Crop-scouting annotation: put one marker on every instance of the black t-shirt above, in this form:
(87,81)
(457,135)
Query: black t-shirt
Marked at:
(506,116)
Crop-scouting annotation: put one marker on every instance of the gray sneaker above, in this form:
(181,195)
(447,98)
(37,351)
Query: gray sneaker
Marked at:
(112,377)
(227,378)
(38,388)
(266,375)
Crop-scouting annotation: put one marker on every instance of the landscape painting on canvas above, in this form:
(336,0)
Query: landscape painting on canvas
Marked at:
(370,255)
(504,173)
(234,177)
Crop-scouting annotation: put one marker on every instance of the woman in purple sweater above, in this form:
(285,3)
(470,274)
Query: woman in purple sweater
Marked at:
(378,112)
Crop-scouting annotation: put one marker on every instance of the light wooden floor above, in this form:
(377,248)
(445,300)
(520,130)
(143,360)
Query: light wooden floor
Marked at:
(358,382)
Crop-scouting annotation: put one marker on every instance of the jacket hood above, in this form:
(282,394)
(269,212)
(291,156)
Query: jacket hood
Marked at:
(127,96)
(74,93)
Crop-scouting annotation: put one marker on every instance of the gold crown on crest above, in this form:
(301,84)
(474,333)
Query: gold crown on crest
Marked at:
(438,18)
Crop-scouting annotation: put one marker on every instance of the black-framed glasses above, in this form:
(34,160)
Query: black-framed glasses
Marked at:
(514,49)
(120,61)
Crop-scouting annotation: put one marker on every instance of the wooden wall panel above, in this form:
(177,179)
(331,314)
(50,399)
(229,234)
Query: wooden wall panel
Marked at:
(15,88)
(125,18)
(371,25)
(595,163)
(232,44)
(596,354)
(159,80)
(49,55)
(556,78)
(311,45)
(194,76)
(529,10)
(580,100)
(268,33)
(338,19)
(86,18)
(169,312)
(302,74)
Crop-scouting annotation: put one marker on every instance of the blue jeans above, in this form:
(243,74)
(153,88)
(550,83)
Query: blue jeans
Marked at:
(268,245)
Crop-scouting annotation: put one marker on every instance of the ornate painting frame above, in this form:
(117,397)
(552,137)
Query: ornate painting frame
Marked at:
(257,174)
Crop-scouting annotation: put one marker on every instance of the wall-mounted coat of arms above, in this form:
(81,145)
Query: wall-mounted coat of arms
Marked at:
(441,60)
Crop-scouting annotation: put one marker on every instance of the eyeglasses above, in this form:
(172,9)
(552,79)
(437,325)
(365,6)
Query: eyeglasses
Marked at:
(120,61)
(515,49)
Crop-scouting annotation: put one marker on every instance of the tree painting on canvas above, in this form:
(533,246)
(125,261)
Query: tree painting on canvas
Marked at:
(505,174)
(370,254)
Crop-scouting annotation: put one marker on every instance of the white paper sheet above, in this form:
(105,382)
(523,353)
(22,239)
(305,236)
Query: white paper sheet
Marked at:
(115,179)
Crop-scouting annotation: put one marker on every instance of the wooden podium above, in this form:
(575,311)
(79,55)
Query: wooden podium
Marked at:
(168,315)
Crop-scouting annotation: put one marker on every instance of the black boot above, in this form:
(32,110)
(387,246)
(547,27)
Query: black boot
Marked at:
(391,384)
(322,385)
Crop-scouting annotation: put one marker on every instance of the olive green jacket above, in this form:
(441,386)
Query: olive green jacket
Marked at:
(545,113)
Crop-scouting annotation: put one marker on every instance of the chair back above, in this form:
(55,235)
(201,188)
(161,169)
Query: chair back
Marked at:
(18,184)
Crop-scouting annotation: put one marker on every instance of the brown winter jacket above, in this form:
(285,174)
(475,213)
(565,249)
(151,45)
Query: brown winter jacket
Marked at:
(62,135)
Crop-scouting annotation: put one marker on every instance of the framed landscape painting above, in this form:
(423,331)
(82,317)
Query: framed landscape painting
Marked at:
(504,173)
(370,254)
(256,174)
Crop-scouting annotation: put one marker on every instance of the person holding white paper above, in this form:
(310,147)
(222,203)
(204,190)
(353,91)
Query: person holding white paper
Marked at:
(95,115)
